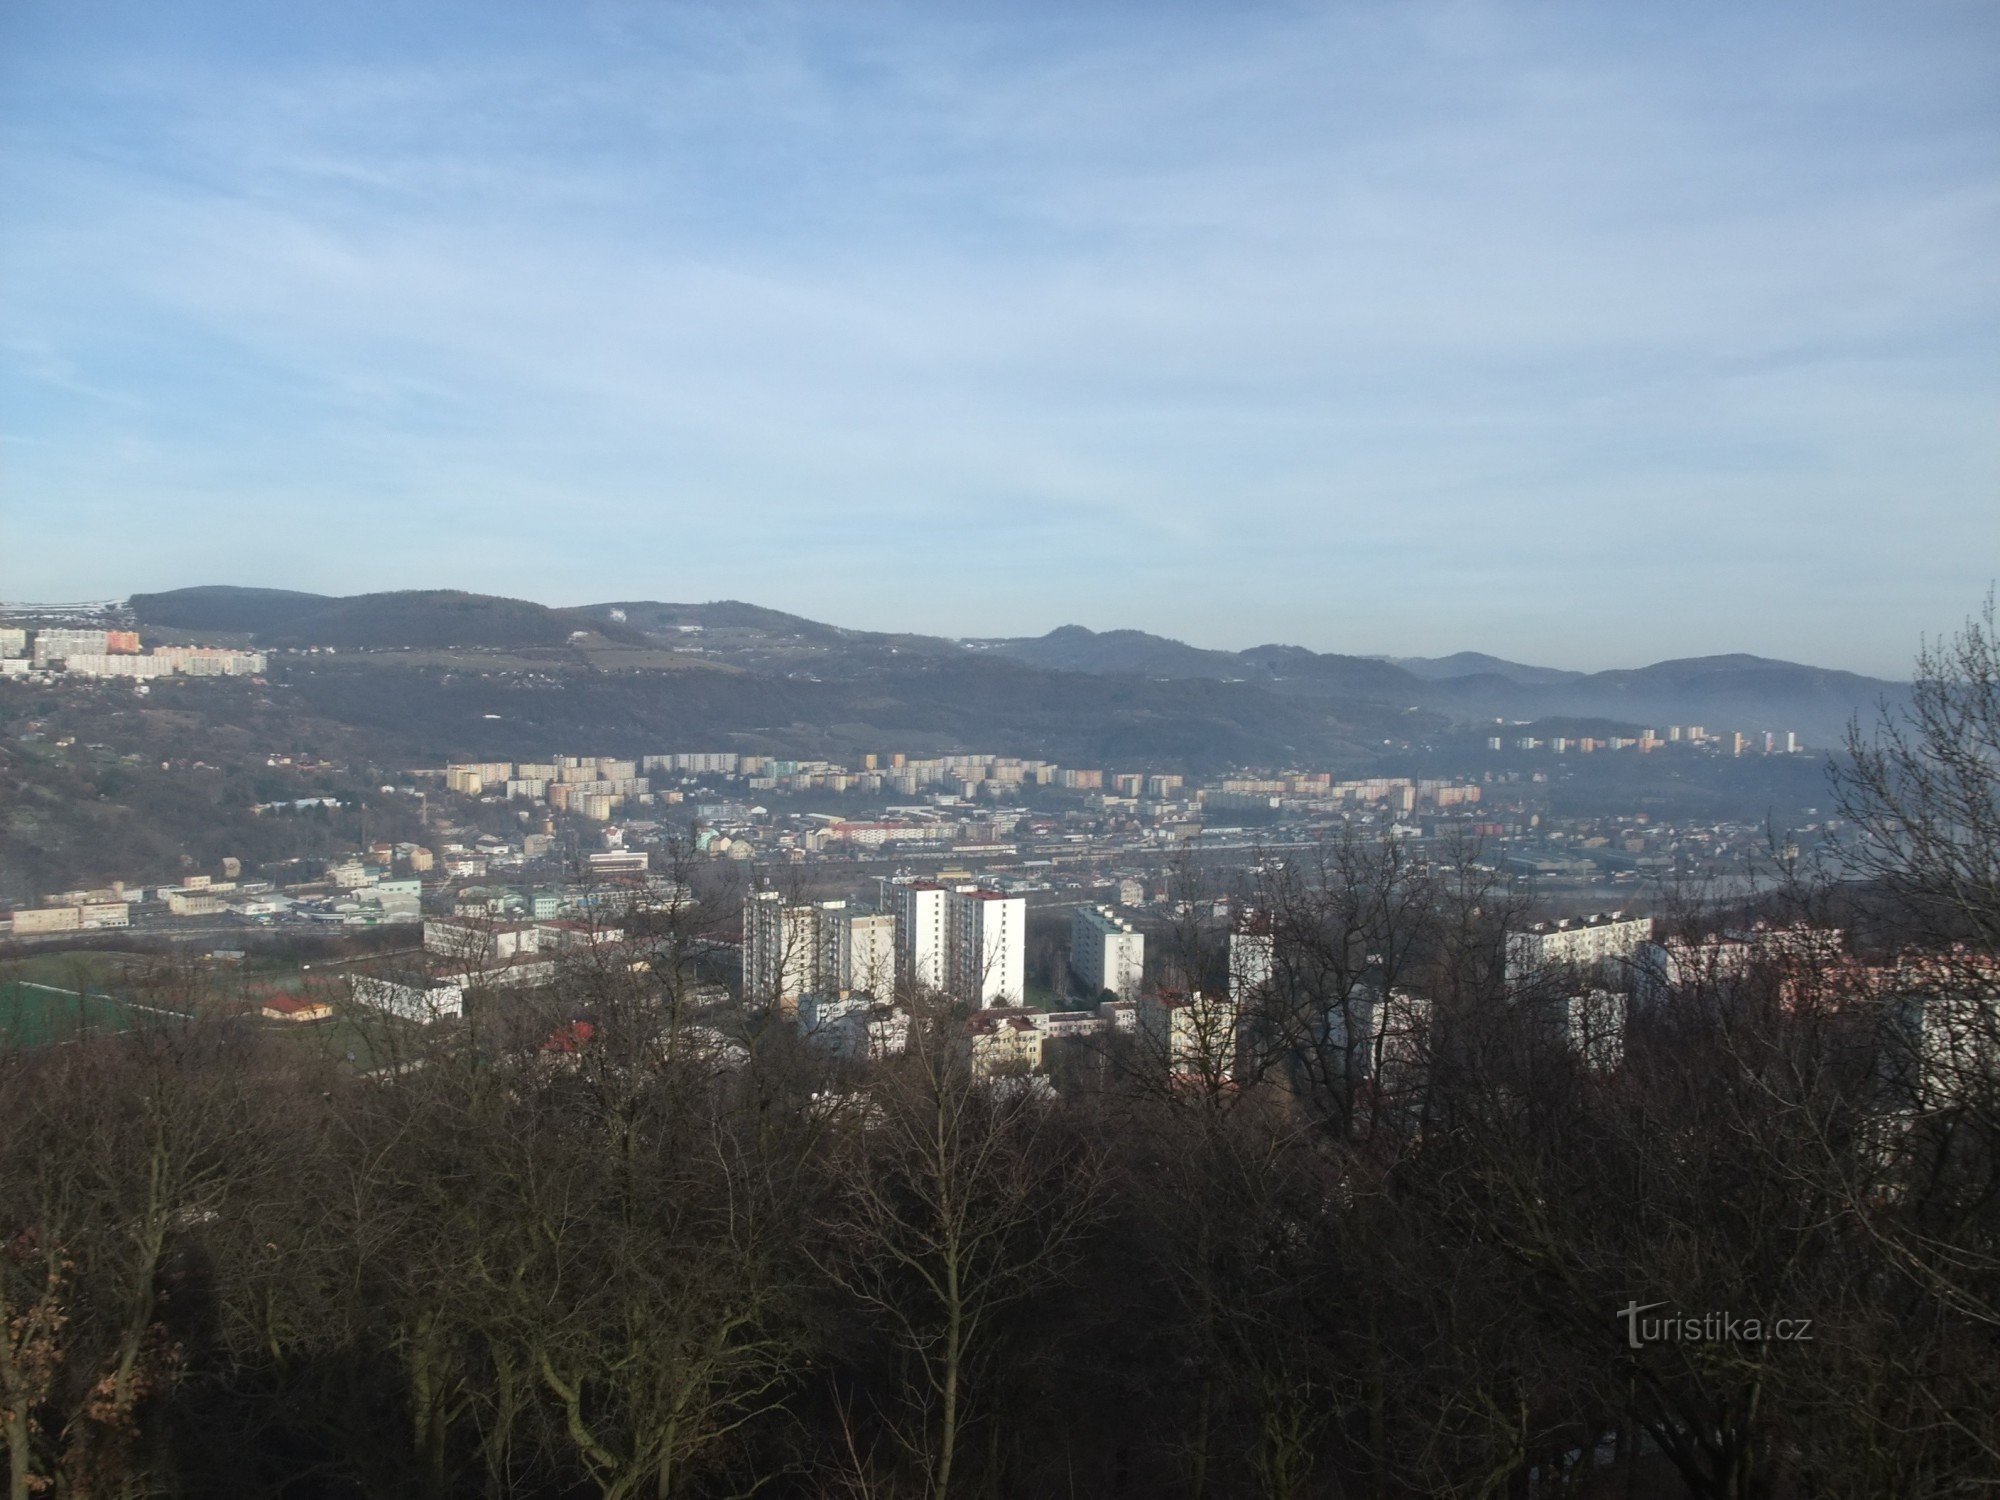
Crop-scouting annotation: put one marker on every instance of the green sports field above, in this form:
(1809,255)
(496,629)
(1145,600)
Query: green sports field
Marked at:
(35,1015)
(87,968)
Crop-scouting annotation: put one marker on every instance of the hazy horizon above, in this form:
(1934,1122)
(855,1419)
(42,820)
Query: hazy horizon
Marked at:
(1579,336)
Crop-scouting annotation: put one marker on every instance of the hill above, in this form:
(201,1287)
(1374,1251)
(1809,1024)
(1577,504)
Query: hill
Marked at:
(1297,670)
(1735,691)
(1289,669)
(921,703)
(729,615)
(223,608)
(1739,691)
(1479,664)
(418,619)
(1073,648)
(1339,692)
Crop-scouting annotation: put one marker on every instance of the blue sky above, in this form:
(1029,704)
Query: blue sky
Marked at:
(1587,334)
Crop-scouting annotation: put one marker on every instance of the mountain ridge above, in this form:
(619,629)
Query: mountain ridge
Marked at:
(1735,689)
(1774,695)
(434,618)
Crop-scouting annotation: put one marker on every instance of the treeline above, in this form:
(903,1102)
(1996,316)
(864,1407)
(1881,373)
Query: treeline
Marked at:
(65,824)
(87,799)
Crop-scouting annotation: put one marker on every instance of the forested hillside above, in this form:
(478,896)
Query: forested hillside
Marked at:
(1735,691)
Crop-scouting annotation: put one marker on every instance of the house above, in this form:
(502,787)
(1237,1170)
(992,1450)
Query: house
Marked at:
(1003,1039)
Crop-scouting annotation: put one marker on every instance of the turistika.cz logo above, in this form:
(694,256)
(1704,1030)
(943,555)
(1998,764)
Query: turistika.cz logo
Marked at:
(1708,1328)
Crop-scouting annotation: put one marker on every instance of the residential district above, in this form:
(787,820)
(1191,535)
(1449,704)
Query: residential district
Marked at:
(48,655)
(547,837)
(1025,889)
(835,918)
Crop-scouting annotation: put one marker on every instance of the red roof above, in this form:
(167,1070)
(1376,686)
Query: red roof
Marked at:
(571,1038)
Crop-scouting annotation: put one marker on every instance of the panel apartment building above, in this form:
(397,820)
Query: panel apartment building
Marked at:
(1604,943)
(1106,952)
(815,948)
(968,942)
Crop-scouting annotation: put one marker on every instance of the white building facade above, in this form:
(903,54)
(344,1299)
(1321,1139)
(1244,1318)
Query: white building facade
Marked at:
(1602,941)
(1106,952)
(923,933)
(968,942)
(1251,955)
(989,948)
(817,948)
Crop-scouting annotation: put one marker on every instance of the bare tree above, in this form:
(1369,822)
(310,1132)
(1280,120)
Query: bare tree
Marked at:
(956,1198)
(1924,791)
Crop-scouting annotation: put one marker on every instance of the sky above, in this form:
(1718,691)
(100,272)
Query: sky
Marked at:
(1582,334)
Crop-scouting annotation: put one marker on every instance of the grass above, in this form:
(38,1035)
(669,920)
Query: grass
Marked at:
(364,1042)
(49,998)
(42,1015)
(37,1015)
(92,968)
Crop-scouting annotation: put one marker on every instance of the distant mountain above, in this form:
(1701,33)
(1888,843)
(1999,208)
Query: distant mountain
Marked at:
(1292,670)
(1479,664)
(655,618)
(1297,670)
(1335,692)
(919,703)
(1734,691)
(221,607)
(1072,648)
(1738,691)
(422,618)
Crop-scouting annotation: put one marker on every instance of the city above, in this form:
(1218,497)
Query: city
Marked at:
(926,877)
(1035,752)
(1054,966)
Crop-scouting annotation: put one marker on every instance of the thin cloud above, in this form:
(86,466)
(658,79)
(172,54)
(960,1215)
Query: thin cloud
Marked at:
(1337,320)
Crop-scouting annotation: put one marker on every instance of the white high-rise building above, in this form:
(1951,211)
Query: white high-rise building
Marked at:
(1594,1026)
(968,942)
(788,950)
(814,948)
(1384,1037)
(923,934)
(1193,1034)
(989,947)
(1251,951)
(868,954)
(1106,952)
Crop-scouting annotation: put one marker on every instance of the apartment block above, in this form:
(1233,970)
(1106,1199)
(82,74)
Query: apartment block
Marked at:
(989,947)
(923,934)
(1106,952)
(1601,941)
(1003,1040)
(1252,951)
(968,942)
(820,948)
